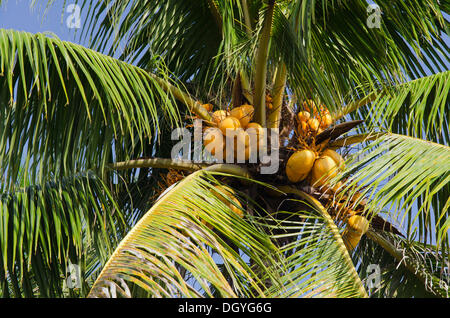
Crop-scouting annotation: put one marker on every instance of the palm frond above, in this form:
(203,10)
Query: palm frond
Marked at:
(317,260)
(171,243)
(418,108)
(408,177)
(65,107)
(394,278)
(171,252)
(355,58)
(46,228)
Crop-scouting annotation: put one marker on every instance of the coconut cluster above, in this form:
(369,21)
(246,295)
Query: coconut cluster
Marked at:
(234,127)
(313,120)
(311,162)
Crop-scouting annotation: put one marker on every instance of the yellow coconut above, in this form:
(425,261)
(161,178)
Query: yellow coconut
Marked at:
(243,113)
(326,121)
(340,162)
(299,165)
(242,138)
(229,123)
(309,105)
(350,239)
(226,194)
(359,224)
(304,116)
(256,133)
(324,169)
(303,128)
(313,124)
(255,129)
(214,140)
(218,116)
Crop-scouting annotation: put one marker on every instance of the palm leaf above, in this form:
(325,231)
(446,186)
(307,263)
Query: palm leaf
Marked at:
(67,107)
(417,108)
(402,174)
(44,228)
(170,241)
(395,279)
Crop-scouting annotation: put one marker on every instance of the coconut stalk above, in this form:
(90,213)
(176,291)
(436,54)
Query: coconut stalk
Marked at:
(247,19)
(262,54)
(187,165)
(274,118)
(193,105)
(162,163)
(356,139)
(351,107)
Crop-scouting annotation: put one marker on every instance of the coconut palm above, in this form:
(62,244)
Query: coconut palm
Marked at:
(89,181)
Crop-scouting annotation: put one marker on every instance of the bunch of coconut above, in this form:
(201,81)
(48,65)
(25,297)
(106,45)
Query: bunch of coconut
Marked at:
(310,162)
(313,120)
(317,168)
(236,128)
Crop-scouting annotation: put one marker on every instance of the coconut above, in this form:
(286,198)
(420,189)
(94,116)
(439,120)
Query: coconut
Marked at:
(255,129)
(213,140)
(313,124)
(303,128)
(299,165)
(243,113)
(226,194)
(359,224)
(326,121)
(324,168)
(340,162)
(256,132)
(304,116)
(229,123)
(218,116)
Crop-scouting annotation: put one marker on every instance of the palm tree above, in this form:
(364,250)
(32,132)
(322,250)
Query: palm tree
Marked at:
(87,176)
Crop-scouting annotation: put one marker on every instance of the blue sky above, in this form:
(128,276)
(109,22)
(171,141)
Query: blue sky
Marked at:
(18,15)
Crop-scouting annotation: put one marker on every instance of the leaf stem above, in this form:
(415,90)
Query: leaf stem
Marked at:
(262,54)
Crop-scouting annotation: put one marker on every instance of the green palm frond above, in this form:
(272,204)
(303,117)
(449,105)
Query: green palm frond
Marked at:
(356,58)
(317,260)
(185,33)
(68,107)
(395,279)
(418,108)
(402,174)
(172,253)
(45,228)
